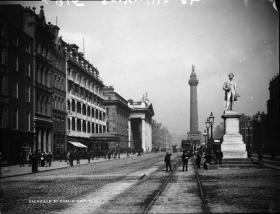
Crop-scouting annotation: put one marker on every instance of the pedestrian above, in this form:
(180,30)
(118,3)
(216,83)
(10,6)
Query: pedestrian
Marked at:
(34,162)
(167,160)
(219,156)
(88,156)
(67,157)
(185,160)
(198,160)
(78,157)
(71,158)
(49,159)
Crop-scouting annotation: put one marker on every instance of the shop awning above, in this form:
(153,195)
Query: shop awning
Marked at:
(77,144)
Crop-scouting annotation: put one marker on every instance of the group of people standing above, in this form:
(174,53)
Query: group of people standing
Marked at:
(185,159)
(40,159)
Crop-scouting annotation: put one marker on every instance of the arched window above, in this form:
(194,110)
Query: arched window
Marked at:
(73,124)
(73,106)
(84,109)
(78,107)
(84,126)
(88,111)
(88,127)
(68,124)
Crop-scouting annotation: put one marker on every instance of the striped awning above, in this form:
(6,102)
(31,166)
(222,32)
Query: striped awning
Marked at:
(77,144)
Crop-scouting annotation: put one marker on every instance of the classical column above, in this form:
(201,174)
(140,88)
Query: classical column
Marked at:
(39,139)
(49,141)
(143,134)
(44,141)
(129,133)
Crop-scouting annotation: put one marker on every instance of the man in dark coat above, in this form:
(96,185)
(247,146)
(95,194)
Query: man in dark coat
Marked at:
(185,160)
(34,162)
(167,160)
(198,160)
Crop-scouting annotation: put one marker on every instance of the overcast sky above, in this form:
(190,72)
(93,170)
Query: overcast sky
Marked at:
(150,48)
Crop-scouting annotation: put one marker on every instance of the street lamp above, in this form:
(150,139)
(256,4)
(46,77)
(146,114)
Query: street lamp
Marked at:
(259,120)
(248,124)
(205,135)
(207,128)
(211,121)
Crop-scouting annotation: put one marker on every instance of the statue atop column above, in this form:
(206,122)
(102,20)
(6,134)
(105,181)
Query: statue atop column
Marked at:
(231,93)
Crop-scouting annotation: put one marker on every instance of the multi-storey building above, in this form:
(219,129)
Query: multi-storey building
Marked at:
(59,99)
(117,118)
(40,59)
(86,114)
(49,75)
(16,77)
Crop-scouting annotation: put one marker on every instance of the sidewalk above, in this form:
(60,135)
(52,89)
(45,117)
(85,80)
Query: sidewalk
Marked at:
(16,170)
(267,161)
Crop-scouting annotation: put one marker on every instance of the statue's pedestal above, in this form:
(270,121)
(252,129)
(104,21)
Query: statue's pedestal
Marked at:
(233,146)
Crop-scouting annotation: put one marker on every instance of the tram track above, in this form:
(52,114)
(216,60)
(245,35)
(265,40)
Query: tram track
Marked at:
(201,193)
(161,188)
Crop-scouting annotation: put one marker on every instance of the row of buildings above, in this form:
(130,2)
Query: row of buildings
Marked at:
(261,131)
(53,100)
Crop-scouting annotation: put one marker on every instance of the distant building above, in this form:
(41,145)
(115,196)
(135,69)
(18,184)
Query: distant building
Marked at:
(117,118)
(86,114)
(140,121)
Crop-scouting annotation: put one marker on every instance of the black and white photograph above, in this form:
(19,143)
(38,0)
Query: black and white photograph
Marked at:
(139,107)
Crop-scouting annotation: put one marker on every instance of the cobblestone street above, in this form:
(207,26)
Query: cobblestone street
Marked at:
(128,185)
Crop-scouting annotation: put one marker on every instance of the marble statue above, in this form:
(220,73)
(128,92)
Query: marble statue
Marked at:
(231,93)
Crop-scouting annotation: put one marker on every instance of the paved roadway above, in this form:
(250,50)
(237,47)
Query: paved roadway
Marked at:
(83,189)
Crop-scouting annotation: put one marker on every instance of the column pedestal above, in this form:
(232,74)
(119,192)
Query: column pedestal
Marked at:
(233,146)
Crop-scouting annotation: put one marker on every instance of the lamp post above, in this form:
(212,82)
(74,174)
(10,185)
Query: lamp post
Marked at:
(211,120)
(259,120)
(207,123)
(248,124)
(205,135)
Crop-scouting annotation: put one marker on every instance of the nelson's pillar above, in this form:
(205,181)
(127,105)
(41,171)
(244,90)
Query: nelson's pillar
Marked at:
(193,135)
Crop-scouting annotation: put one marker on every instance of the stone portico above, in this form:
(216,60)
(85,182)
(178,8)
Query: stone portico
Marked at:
(140,125)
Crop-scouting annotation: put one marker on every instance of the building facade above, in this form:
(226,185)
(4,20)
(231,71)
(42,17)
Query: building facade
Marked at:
(16,95)
(117,118)
(140,125)
(86,113)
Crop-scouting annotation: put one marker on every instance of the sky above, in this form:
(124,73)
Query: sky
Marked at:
(145,47)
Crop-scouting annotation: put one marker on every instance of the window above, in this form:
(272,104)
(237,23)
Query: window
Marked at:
(27,94)
(88,127)
(28,120)
(15,119)
(78,124)
(4,85)
(3,117)
(17,63)
(92,128)
(73,124)
(28,69)
(15,89)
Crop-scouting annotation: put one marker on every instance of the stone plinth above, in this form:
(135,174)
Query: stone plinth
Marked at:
(233,146)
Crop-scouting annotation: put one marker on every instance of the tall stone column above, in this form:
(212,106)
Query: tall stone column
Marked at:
(143,134)
(193,82)
(194,134)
